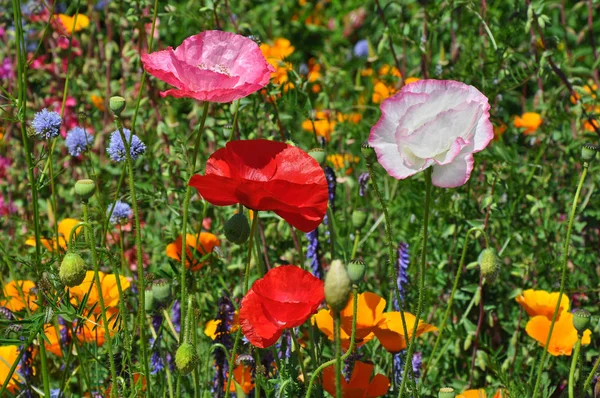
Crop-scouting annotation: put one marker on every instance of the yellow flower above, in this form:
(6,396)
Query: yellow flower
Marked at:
(210,327)
(530,121)
(345,161)
(108,284)
(65,228)
(388,70)
(70,24)
(202,245)
(382,91)
(540,302)
(19,294)
(281,48)
(323,126)
(8,356)
(564,334)
(349,117)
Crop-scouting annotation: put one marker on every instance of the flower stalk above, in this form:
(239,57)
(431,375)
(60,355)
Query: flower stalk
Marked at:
(574,366)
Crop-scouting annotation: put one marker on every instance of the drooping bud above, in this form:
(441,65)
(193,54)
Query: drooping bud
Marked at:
(588,152)
(116,104)
(318,154)
(161,290)
(356,270)
(337,286)
(72,269)
(368,152)
(237,229)
(359,219)
(186,358)
(489,264)
(581,320)
(446,392)
(85,188)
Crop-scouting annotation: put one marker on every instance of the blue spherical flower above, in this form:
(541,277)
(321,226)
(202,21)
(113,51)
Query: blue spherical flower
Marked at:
(46,124)
(120,214)
(361,48)
(78,141)
(116,147)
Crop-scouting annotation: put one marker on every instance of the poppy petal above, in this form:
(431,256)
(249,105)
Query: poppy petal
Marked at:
(257,328)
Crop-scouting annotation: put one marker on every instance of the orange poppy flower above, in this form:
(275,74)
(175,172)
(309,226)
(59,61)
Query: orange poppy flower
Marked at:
(360,385)
(281,48)
(388,70)
(323,125)
(588,89)
(410,80)
(110,291)
(499,130)
(92,330)
(349,117)
(243,377)
(210,327)
(390,330)
(69,23)
(382,91)
(540,302)
(98,102)
(564,334)
(53,340)
(201,247)
(8,356)
(589,126)
(530,121)
(19,294)
(65,228)
(479,393)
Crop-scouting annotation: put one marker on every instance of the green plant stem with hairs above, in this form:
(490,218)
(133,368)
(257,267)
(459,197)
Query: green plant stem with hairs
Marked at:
(337,320)
(574,367)
(138,246)
(318,370)
(588,380)
(413,336)
(238,334)
(91,241)
(442,326)
(563,278)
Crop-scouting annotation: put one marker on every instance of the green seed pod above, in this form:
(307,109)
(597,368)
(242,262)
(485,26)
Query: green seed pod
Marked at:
(588,152)
(72,269)
(359,219)
(85,188)
(149,302)
(489,264)
(368,152)
(116,104)
(186,358)
(161,290)
(446,392)
(581,320)
(318,154)
(237,229)
(356,270)
(337,286)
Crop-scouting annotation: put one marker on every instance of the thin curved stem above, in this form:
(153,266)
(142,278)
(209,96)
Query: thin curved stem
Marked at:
(413,337)
(451,299)
(590,377)
(574,367)
(563,277)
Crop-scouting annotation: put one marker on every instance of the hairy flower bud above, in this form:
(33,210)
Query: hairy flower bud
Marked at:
(356,270)
(337,286)
(149,299)
(186,358)
(446,392)
(237,229)
(85,188)
(489,264)
(72,269)
(581,320)
(117,105)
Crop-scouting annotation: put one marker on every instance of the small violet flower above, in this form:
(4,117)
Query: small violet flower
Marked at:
(116,147)
(46,124)
(78,141)
(361,49)
(120,213)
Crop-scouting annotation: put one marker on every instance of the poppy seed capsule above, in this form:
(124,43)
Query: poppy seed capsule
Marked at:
(237,229)
(186,358)
(161,289)
(359,219)
(72,269)
(337,286)
(356,270)
(149,300)
(318,154)
(588,152)
(446,392)
(116,104)
(368,152)
(489,264)
(581,320)
(85,188)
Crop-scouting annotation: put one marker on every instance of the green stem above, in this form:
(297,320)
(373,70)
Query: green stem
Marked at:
(17,361)
(90,238)
(238,334)
(563,278)
(590,377)
(338,354)
(140,258)
(451,299)
(413,337)
(574,367)
(317,371)
(235,120)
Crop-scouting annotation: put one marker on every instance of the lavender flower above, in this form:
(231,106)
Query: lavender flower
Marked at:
(397,368)
(331,185)
(26,370)
(156,361)
(46,124)
(416,363)
(312,253)
(349,364)
(116,147)
(223,336)
(402,272)
(120,213)
(363,182)
(176,315)
(64,332)
(361,49)
(6,313)
(78,141)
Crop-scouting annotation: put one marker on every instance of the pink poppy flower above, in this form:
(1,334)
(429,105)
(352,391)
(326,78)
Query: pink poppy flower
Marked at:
(432,123)
(211,66)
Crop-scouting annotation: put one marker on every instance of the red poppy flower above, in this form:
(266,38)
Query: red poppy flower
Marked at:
(211,66)
(360,385)
(284,298)
(266,175)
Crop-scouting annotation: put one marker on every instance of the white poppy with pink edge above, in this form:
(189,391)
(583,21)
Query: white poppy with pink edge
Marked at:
(432,123)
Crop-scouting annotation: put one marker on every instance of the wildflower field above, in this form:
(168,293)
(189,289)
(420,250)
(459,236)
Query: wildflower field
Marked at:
(295,198)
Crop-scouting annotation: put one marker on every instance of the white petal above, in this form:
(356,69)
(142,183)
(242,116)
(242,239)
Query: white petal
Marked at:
(454,174)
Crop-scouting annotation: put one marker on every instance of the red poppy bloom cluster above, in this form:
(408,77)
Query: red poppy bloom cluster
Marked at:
(267,175)
(284,298)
